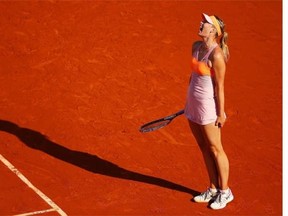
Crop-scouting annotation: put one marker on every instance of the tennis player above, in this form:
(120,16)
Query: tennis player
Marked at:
(205,107)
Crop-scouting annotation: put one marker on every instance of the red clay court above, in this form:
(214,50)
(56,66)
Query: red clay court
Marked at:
(77,80)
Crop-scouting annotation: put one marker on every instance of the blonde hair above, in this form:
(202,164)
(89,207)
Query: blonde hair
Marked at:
(223,39)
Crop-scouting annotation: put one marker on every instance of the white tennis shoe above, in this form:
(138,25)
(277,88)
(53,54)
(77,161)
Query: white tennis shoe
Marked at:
(206,196)
(222,199)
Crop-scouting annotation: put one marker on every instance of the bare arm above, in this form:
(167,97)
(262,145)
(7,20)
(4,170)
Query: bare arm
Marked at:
(219,67)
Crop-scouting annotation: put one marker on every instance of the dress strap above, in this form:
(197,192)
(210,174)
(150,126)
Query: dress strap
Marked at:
(197,51)
(208,53)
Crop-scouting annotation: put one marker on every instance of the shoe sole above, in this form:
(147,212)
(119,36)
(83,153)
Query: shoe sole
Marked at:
(228,201)
(201,201)
(207,201)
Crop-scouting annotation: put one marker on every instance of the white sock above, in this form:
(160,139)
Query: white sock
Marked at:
(213,190)
(226,191)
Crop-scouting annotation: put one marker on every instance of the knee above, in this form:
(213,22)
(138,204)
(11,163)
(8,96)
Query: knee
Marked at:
(216,149)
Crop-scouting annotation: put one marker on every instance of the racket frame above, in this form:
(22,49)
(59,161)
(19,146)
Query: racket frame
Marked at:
(167,118)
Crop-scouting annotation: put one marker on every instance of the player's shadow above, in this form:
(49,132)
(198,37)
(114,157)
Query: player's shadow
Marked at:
(92,163)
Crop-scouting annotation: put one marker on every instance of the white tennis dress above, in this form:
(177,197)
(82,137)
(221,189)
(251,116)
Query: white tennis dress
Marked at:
(201,106)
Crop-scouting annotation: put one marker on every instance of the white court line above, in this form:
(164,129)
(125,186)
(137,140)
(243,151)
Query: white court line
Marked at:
(29,184)
(36,212)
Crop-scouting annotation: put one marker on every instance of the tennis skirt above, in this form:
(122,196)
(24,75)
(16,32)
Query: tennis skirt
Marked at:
(201,103)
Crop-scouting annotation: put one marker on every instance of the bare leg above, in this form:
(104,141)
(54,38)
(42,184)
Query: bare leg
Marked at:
(212,135)
(206,152)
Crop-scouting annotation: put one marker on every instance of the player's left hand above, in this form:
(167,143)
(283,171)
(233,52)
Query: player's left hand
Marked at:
(220,121)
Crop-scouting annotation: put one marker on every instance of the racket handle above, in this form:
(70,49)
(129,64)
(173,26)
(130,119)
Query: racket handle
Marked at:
(180,112)
(174,115)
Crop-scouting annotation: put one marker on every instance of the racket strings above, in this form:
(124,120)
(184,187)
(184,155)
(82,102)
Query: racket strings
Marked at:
(154,125)
(160,123)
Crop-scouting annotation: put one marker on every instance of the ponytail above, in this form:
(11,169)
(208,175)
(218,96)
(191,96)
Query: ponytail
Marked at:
(224,46)
(223,39)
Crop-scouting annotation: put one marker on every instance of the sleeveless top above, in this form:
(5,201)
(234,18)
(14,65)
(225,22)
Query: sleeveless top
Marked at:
(201,105)
(200,66)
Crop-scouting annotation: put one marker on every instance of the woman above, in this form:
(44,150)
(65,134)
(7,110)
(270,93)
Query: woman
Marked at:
(205,107)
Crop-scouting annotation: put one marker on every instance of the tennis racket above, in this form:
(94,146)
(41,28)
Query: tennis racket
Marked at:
(159,123)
